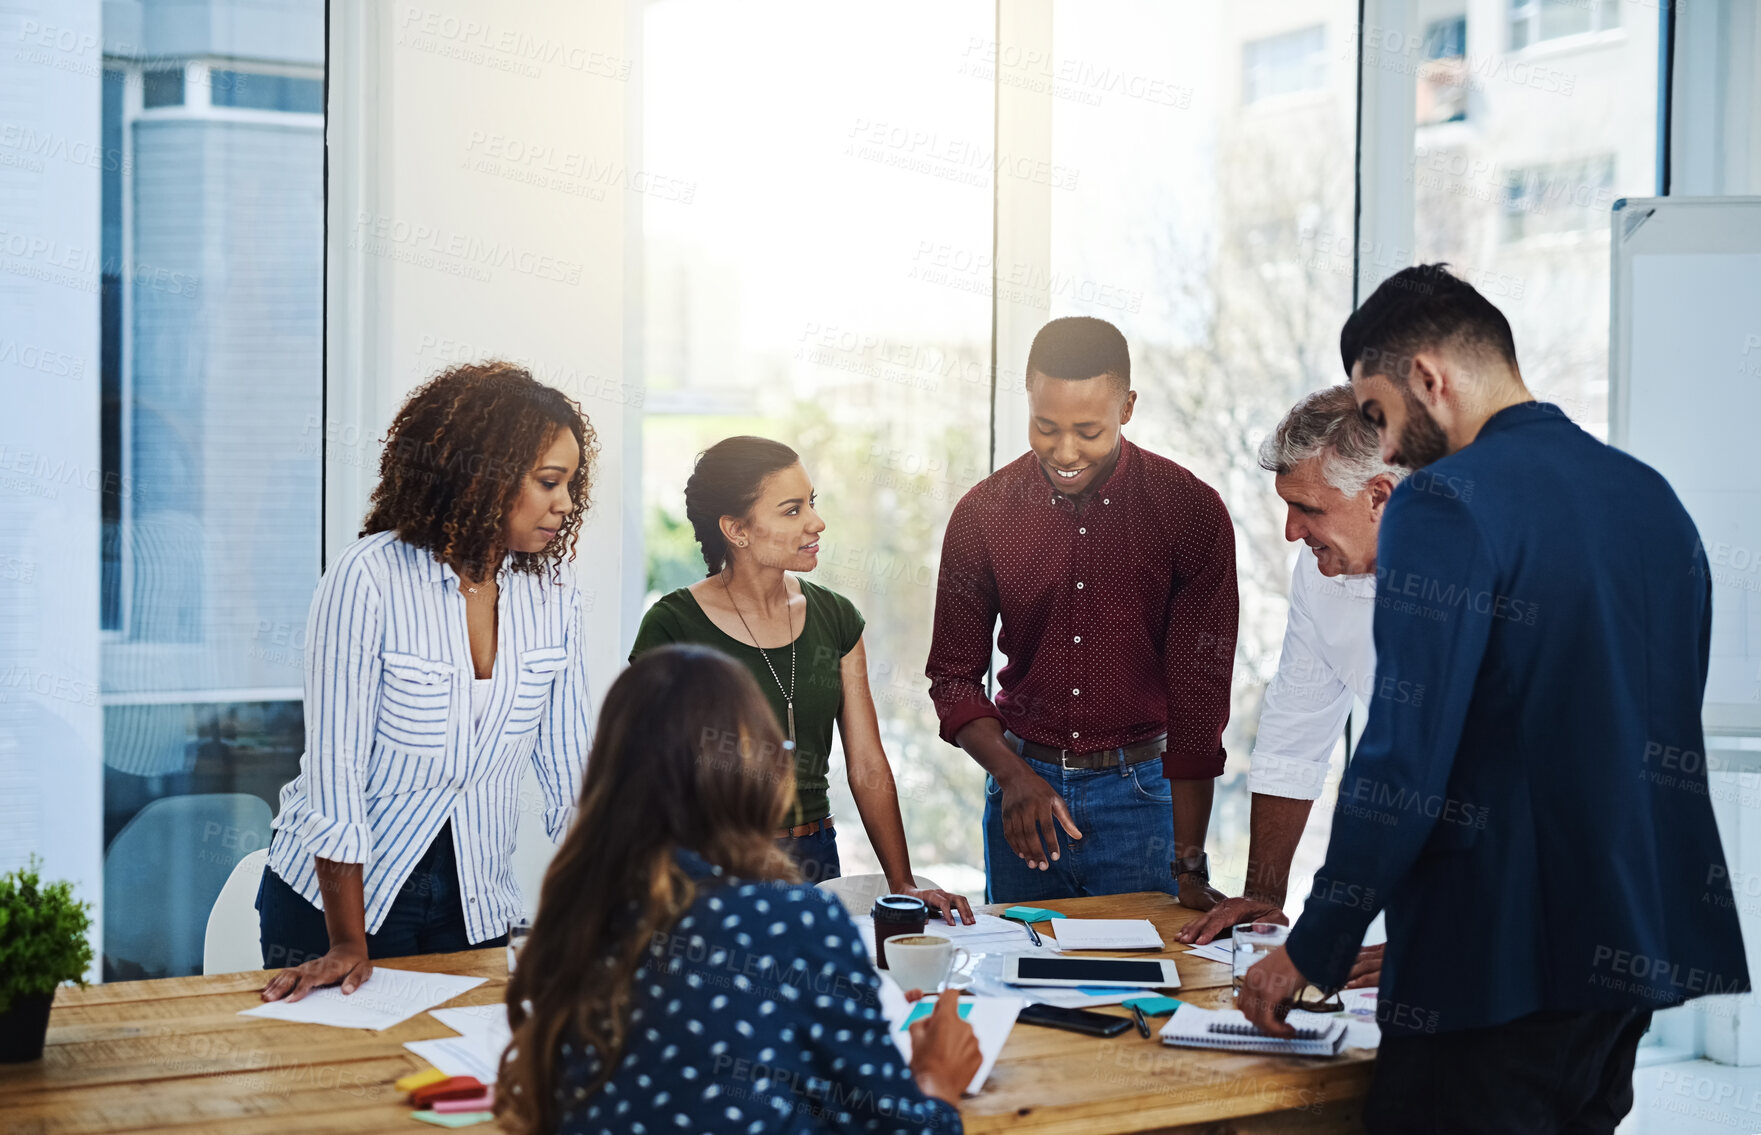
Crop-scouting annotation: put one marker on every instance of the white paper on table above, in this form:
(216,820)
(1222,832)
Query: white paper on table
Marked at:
(1362,1029)
(389,997)
(1069,997)
(1220,951)
(458,1056)
(477,1050)
(988,935)
(991,1018)
(1107,934)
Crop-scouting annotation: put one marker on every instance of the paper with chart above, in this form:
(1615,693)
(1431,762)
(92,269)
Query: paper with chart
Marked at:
(1107,934)
(988,935)
(389,997)
(991,1018)
(476,1051)
(1219,951)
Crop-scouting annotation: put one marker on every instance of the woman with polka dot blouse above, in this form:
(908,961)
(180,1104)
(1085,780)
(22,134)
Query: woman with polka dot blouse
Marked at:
(678,977)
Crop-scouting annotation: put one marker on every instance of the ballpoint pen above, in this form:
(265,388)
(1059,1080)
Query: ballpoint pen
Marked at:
(1143,1025)
(1032,933)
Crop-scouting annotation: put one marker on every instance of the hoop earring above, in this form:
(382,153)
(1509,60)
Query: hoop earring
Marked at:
(742,543)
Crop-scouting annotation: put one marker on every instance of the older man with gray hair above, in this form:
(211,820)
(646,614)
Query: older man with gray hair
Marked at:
(1329,471)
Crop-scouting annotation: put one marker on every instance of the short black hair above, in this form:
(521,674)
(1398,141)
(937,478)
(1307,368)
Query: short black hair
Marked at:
(1079,347)
(1425,306)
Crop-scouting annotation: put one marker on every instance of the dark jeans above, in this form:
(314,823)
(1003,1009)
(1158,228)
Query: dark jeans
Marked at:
(1570,1073)
(816,855)
(427,917)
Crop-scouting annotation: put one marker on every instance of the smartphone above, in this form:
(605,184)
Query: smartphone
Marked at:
(1074,1020)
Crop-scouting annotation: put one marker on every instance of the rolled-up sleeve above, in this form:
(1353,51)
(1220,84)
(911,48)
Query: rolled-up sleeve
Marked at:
(1198,657)
(1304,711)
(343,634)
(565,731)
(966,616)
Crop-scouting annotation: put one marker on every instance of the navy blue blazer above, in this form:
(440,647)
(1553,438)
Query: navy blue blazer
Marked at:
(1529,800)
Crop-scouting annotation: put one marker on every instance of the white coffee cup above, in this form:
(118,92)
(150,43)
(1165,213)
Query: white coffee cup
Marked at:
(922,961)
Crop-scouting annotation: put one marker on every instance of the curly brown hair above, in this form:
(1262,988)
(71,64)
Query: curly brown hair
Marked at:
(457,455)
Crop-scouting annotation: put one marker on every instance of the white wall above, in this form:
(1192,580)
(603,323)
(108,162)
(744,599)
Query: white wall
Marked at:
(482,204)
(51,153)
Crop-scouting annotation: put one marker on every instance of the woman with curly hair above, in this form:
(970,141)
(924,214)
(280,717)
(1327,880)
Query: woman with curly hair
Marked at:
(680,976)
(445,650)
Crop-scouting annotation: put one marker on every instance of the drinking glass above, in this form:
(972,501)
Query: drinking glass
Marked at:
(1253,941)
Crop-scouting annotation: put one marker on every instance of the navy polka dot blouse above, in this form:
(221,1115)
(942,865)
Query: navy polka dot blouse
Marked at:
(758,1012)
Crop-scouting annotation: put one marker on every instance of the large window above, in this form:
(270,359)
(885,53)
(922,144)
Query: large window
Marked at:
(212,278)
(1517,194)
(1218,237)
(826,283)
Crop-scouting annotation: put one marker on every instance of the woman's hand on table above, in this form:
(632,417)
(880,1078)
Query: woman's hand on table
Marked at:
(1230,912)
(942,904)
(347,964)
(944,1050)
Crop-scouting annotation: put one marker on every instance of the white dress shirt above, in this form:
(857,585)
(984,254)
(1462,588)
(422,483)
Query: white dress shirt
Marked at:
(392,750)
(1328,661)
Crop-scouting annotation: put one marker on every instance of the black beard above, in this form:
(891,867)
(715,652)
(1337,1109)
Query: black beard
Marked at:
(1422,440)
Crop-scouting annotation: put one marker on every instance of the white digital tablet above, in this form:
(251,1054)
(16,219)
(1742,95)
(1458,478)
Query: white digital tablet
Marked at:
(1136,973)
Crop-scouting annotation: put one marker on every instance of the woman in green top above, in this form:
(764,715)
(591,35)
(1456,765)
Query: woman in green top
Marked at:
(752,507)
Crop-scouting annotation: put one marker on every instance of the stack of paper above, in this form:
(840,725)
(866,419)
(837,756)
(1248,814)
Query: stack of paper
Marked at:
(1107,934)
(1229,1029)
(389,997)
(476,1051)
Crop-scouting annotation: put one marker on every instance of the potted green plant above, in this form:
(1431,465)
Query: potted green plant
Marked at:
(42,945)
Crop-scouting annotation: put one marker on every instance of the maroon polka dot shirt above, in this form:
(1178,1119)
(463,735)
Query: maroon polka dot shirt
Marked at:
(1119,612)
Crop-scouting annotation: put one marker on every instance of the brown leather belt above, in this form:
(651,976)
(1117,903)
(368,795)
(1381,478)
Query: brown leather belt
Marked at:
(812,827)
(1100,758)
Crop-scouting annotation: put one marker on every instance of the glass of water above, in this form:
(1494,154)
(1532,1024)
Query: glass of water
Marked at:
(518,929)
(1253,941)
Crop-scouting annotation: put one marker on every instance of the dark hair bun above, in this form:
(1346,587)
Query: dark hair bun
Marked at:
(725,482)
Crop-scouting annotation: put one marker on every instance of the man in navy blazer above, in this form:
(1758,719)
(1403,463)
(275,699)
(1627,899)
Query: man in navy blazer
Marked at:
(1537,823)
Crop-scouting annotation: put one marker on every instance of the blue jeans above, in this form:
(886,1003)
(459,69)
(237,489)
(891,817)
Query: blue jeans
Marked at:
(1126,817)
(816,855)
(427,917)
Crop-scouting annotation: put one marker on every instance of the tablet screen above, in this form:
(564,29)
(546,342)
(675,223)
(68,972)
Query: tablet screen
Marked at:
(1089,969)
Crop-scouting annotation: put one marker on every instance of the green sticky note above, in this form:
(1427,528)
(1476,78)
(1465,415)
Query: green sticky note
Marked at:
(1030,914)
(453,1118)
(927,1006)
(1153,1006)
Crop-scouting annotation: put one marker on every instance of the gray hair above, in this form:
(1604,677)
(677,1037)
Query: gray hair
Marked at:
(1326,424)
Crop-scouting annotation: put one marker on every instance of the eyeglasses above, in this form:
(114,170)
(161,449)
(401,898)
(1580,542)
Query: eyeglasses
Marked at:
(1312,1000)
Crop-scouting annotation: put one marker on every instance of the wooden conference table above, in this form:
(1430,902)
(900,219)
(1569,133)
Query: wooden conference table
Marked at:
(174,1054)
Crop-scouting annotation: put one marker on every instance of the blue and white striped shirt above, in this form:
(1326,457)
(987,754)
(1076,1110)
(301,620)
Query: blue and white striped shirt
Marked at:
(391,751)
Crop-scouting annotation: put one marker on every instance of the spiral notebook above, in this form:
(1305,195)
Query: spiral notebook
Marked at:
(1229,1031)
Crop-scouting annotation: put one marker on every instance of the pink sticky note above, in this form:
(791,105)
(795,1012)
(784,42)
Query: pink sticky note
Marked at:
(484,1102)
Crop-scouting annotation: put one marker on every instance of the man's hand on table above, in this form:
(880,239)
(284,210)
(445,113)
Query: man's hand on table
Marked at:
(945,905)
(1267,992)
(1367,970)
(347,964)
(1032,811)
(1226,913)
(1196,893)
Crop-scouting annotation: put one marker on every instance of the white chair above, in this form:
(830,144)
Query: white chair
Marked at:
(858,892)
(232,942)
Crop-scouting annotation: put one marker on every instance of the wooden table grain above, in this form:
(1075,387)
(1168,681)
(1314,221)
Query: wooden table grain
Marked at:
(175,1055)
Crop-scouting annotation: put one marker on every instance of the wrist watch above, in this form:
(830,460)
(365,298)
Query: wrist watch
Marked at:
(1199,865)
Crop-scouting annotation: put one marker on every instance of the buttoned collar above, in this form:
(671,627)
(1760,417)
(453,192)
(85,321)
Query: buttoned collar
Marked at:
(439,571)
(1103,493)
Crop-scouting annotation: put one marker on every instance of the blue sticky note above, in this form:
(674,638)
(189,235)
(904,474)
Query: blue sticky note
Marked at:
(1154,1006)
(927,1006)
(1030,914)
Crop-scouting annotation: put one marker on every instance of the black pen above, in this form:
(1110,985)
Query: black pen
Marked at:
(1032,933)
(1143,1025)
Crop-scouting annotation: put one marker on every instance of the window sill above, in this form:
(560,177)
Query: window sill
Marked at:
(1571,44)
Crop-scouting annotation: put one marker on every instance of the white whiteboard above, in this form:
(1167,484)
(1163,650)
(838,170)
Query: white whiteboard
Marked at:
(1685,397)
